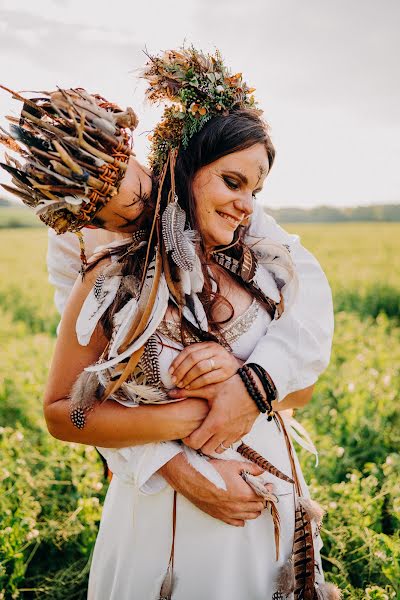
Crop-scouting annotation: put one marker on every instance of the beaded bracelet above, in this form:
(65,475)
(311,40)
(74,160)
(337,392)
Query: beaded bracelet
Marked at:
(247,377)
(269,388)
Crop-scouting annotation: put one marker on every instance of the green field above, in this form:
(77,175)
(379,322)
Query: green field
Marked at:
(51,492)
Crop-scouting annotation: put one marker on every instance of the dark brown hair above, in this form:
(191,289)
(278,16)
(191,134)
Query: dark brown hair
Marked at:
(222,135)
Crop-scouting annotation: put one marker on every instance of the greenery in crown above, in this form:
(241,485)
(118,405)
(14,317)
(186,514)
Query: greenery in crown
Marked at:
(198,87)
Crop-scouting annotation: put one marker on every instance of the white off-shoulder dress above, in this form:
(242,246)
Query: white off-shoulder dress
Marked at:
(212,560)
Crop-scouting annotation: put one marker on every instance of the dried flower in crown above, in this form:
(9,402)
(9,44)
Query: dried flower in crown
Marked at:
(197,87)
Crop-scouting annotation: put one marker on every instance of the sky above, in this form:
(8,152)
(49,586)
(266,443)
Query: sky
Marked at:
(325,71)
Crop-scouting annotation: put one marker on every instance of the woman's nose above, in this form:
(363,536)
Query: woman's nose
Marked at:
(245,204)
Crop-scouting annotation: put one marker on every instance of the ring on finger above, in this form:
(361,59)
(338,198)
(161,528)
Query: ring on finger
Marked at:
(212,364)
(224,447)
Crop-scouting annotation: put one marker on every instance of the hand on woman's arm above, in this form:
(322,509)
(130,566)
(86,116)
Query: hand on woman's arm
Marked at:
(232,410)
(234,506)
(109,424)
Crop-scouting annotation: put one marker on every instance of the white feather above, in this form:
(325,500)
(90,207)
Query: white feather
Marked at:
(157,315)
(122,320)
(92,311)
(146,394)
(204,467)
(266,283)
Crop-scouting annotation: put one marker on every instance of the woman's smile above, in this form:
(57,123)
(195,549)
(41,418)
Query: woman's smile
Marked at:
(235,222)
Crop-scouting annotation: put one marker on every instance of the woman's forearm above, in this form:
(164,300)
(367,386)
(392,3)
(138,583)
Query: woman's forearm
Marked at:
(111,425)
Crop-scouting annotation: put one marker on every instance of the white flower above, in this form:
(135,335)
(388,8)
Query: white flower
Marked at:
(8,530)
(386,380)
(219,89)
(6,473)
(389,460)
(34,533)
(19,436)
(333,505)
(98,486)
(351,387)
(339,451)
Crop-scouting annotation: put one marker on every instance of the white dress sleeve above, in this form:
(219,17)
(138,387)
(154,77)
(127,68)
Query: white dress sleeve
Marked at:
(139,464)
(297,347)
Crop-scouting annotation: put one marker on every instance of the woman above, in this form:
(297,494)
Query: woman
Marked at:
(215,188)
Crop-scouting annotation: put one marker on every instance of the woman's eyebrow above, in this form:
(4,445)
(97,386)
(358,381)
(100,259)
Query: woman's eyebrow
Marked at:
(239,175)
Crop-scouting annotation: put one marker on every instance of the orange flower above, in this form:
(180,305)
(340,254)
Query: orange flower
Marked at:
(202,111)
(194,108)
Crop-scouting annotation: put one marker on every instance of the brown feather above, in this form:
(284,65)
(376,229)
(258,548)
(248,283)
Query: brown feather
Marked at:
(262,462)
(84,391)
(303,556)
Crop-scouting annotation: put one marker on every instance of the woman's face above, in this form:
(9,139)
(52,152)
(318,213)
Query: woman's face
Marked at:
(224,192)
(124,212)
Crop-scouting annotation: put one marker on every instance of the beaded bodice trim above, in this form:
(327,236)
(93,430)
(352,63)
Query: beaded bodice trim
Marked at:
(232,330)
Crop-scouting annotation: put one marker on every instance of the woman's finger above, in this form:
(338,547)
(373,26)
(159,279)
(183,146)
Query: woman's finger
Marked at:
(205,367)
(217,375)
(185,353)
(192,360)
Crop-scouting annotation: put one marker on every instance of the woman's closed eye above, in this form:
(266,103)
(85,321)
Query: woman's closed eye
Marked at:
(234,185)
(231,183)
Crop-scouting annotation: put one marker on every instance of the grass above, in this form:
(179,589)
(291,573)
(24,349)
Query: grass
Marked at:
(51,493)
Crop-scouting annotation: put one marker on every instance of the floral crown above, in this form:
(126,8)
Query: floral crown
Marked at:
(197,87)
(75,147)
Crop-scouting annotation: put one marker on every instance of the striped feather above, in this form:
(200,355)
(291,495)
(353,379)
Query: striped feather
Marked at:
(262,462)
(303,557)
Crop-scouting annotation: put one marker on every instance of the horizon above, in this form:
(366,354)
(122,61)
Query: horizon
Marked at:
(323,75)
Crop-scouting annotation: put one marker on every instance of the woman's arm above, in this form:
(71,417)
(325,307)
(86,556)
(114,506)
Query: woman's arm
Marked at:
(109,424)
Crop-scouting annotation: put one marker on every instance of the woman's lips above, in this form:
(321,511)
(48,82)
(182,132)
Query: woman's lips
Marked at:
(232,220)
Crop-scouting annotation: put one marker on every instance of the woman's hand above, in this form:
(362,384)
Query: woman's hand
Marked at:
(234,506)
(201,364)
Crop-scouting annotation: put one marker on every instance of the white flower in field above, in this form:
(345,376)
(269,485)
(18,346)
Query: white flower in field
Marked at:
(98,486)
(8,530)
(339,451)
(32,534)
(333,505)
(95,500)
(6,473)
(386,380)
(19,436)
(360,357)
(389,460)
(374,373)
(351,387)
